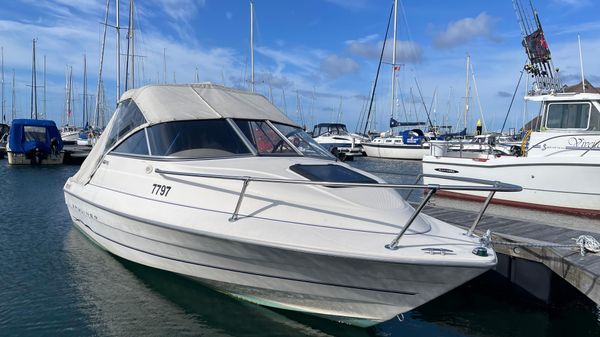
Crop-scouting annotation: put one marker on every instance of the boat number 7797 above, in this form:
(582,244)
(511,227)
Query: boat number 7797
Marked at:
(162,190)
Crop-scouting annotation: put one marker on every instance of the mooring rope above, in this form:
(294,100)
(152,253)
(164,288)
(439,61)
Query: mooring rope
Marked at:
(585,243)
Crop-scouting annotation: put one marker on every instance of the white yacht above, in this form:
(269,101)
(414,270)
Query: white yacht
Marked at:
(70,133)
(411,145)
(218,185)
(336,135)
(559,168)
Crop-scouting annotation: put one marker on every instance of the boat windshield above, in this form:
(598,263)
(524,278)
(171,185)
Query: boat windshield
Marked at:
(195,139)
(302,141)
(219,138)
(330,130)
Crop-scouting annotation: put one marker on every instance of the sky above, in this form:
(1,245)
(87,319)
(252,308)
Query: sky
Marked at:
(315,59)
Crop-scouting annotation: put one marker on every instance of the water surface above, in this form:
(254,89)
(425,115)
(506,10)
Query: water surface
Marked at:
(55,282)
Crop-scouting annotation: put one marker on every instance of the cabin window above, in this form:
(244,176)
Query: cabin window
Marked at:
(195,139)
(127,117)
(34,133)
(568,115)
(302,141)
(264,138)
(594,120)
(134,144)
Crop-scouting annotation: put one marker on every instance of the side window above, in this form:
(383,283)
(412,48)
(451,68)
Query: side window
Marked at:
(127,117)
(134,144)
(568,115)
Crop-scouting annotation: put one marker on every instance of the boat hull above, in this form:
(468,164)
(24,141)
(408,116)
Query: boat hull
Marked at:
(22,159)
(565,184)
(409,152)
(351,289)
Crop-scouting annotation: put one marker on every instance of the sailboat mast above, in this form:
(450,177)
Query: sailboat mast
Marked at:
(118,55)
(44,116)
(100,66)
(131,34)
(394,59)
(467,91)
(33,113)
(252,44)
(165,65)
(84,106)
(14,97)
(3,115)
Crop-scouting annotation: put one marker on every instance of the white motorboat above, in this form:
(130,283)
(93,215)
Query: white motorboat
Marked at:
(70,133)
(336,135)
(218,185)
(559,169)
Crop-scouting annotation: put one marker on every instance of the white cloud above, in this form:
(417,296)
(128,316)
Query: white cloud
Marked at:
(350,4)
(335,66)
(406,51)
(465,30)
(573,4)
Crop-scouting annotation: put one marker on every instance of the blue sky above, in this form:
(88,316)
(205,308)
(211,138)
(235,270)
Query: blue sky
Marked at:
(320,55)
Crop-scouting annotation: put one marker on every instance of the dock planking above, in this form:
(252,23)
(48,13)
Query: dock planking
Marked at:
(583,272)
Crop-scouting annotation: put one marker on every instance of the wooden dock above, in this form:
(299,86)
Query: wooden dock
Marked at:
(531,266)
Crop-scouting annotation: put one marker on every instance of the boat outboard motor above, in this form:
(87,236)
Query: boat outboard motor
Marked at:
(341,156)
(54,146)
(35,155)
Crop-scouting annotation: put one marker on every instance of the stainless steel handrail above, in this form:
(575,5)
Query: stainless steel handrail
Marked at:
(492,186)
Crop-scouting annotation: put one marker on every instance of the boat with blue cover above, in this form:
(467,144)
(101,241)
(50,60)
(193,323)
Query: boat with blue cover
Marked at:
(34,141)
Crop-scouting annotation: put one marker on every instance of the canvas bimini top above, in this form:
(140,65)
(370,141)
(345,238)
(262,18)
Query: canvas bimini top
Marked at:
(173,102)
(148,106)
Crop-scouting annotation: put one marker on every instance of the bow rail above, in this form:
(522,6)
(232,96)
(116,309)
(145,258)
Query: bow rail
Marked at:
(482,185)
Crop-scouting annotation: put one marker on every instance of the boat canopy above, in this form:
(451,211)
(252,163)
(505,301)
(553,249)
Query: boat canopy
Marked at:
(174,102)
(26,134)
(156,104)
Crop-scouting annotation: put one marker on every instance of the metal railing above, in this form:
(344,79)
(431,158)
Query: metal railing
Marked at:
(489,186)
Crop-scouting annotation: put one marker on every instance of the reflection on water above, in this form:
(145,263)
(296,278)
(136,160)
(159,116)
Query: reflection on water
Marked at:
(56,282)
(125,298)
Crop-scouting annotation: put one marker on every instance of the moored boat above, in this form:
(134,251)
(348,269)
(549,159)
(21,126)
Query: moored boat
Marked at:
(559,168)
(336,135)
(34,141)
(218,185)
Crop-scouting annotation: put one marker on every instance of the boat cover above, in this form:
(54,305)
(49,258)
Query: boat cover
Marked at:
(17,140)
(175,102)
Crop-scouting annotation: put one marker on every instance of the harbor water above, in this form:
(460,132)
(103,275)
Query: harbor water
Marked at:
(56,282)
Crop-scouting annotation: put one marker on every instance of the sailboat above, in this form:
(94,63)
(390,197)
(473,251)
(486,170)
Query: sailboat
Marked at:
(412,143)
(68,131)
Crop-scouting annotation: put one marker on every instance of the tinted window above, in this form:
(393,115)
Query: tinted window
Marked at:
(568,115)
(195,139)
(134,144)
(127,117)
(302,141)
(264,138)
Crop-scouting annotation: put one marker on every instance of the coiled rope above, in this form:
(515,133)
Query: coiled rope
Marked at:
(585,243)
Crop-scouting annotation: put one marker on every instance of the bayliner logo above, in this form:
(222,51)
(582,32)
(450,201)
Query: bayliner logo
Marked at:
(445,170)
